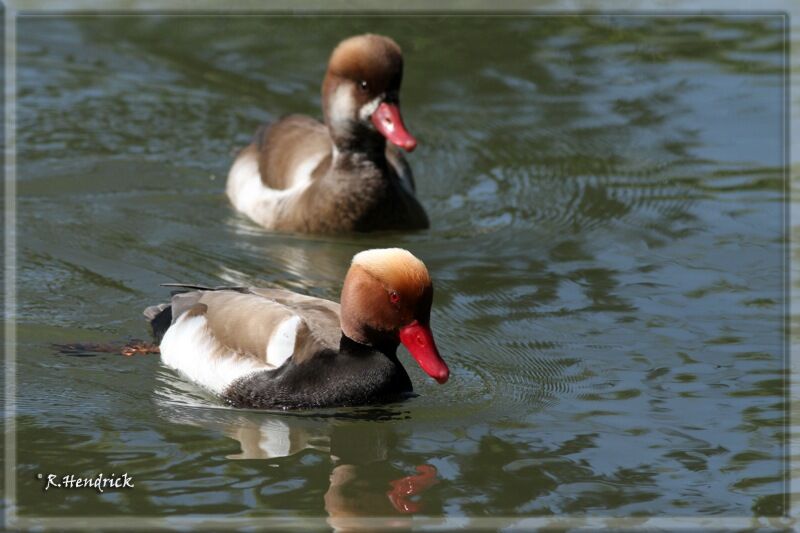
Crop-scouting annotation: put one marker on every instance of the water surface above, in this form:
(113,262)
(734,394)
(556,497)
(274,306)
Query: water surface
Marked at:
(606,198)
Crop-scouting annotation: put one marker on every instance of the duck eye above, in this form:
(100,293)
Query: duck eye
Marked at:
(362,85)
(394,297)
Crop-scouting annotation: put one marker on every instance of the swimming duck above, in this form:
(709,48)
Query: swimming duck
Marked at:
(276,349)
(300,175)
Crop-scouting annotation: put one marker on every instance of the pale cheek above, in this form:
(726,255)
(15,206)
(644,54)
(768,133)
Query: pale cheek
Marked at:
(342,106)
(368,109)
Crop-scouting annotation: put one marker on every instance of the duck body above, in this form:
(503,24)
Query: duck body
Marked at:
(340,175)
(349,375)
(291,178)
(276,349)
(273,349)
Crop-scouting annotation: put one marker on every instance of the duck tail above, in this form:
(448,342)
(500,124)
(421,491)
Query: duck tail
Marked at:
(160,317)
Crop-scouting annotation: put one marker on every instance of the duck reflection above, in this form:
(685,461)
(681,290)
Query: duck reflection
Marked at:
(362,482)
(273,438)
(359,452)
(300,263)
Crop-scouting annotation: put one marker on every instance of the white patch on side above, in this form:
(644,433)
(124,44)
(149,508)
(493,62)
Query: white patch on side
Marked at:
(282,342)
(189,347)
(369,108)
(249,195)
(302,174)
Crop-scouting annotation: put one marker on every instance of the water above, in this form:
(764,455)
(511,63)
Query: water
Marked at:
(606,198)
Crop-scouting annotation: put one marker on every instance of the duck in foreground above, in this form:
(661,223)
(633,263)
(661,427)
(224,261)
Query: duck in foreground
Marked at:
(276,349)
(300,175)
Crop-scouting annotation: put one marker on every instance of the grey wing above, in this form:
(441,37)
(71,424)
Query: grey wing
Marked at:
(244,319)
(321,316)
(291,299)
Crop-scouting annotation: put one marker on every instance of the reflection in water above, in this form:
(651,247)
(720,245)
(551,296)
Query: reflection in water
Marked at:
(356,447)
(408,486)
(353,495)
(358,452)
(300,258)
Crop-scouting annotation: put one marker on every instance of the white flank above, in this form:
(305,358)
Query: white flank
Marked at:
(261,203)
(189,347)
(282,342)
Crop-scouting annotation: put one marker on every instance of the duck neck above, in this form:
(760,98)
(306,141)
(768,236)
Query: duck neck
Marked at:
(349,346)
(358,145)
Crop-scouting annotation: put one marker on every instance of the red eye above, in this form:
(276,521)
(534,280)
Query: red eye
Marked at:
(394,297)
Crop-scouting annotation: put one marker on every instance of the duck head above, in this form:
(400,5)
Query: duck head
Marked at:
(360,94)
(386,300)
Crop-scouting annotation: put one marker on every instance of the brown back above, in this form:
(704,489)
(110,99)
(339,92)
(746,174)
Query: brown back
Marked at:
(285,145)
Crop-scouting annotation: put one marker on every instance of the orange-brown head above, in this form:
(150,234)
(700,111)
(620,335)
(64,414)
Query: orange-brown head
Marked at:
(361,88)
(386,299)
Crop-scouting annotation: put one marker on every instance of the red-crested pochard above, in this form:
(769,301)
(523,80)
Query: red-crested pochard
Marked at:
(300,175)
(272,348)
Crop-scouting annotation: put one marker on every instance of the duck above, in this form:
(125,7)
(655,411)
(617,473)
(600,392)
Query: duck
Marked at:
(269,348)
(300,175)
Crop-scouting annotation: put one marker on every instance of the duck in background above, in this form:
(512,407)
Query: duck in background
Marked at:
(276,349)
(300,175)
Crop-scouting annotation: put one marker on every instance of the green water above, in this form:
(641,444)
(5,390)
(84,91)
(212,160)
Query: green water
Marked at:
(606,197)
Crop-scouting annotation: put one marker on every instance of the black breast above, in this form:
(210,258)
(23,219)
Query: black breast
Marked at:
(355,375)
